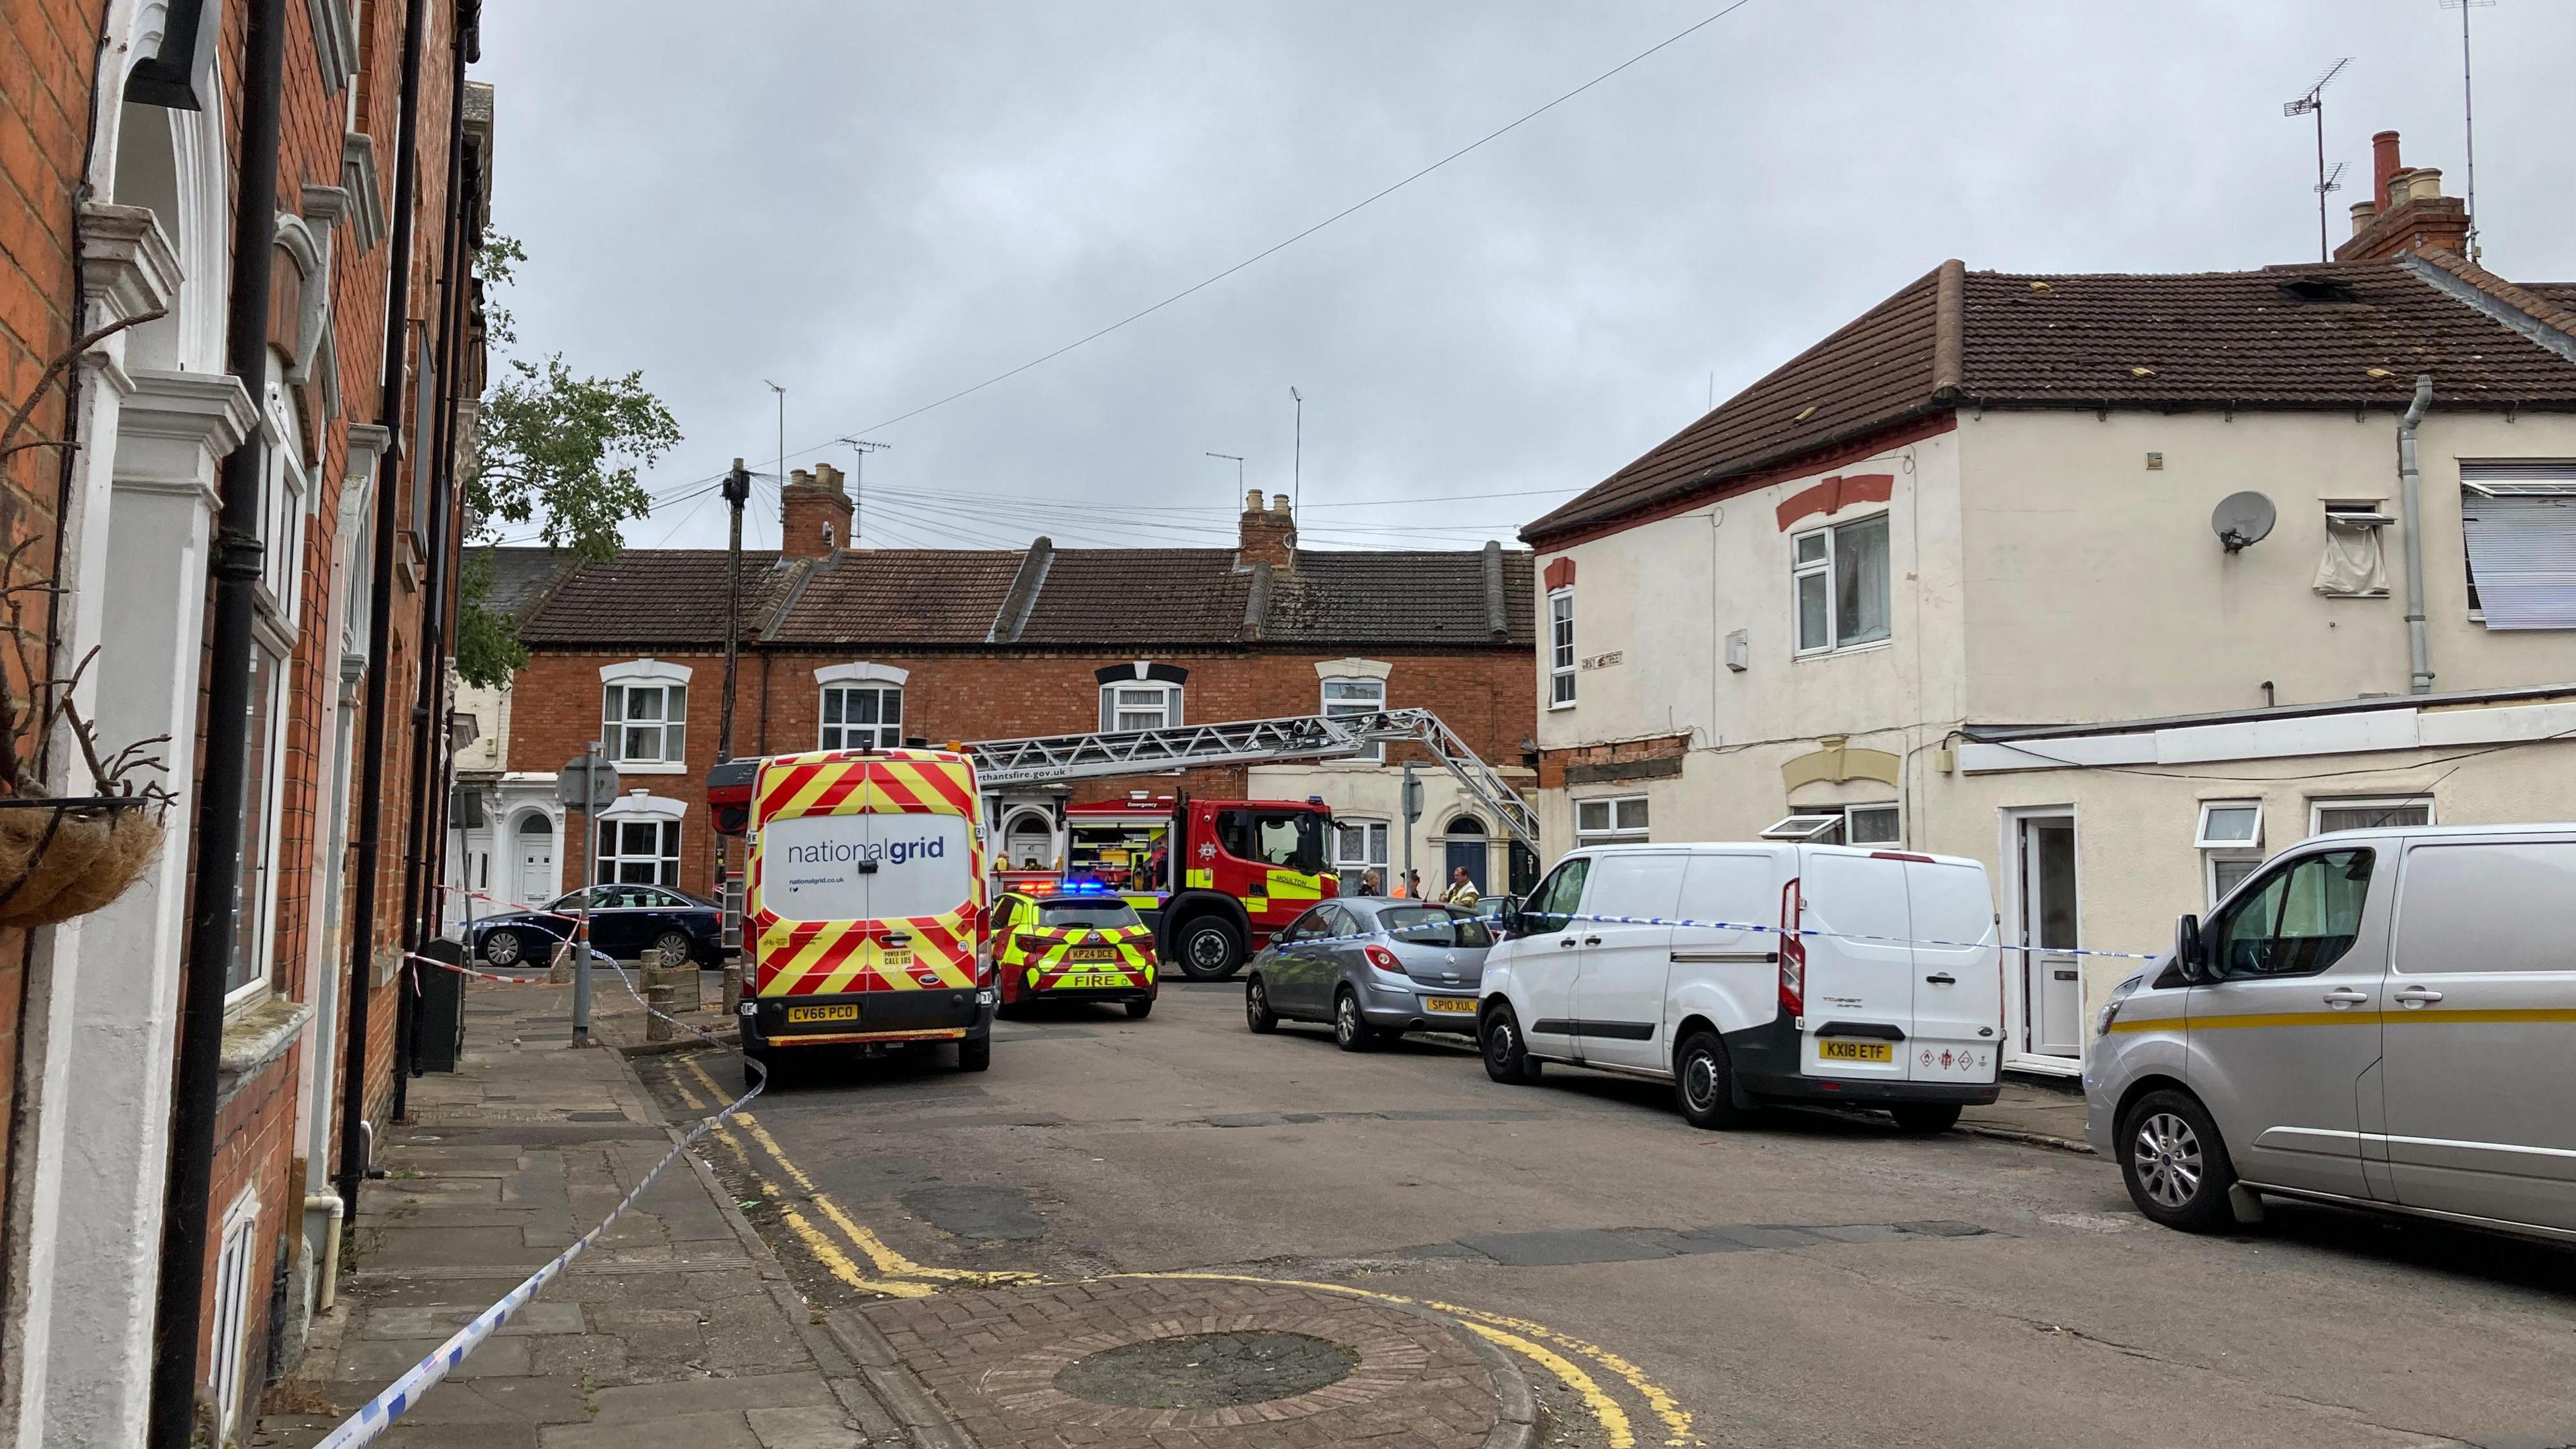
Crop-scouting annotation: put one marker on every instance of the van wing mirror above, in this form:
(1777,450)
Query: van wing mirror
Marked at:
(2188,951)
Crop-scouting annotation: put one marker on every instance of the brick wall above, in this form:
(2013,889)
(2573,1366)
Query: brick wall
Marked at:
(49,53)
(1487,697)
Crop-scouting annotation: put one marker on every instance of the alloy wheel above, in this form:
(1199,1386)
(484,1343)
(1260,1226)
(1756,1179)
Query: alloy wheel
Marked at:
(2168,1158)
(1346,1021)
(501,948)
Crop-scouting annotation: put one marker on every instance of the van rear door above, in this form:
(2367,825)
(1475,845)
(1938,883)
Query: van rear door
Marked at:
(1958,985)
(1860,971)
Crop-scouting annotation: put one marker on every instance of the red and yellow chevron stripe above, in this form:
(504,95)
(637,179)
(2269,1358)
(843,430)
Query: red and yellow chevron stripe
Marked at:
(818,958)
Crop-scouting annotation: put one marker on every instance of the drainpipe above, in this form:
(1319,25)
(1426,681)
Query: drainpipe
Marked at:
(354,1133)
(2410,480)
(426,840)
(216,887)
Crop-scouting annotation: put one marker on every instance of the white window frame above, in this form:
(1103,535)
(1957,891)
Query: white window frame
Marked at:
(841,734)
(1800,571)
(1616,831)
(1375,835)
(860,674)
(607,866)
(1372,701)
(1560,647)
(1832,824)
(616,682)
(258,885)
(1897,840)
(2203,839)
(2211,860)
(1123,697)
(2318,805)
(2505,480)
(284,498)
(233,1287)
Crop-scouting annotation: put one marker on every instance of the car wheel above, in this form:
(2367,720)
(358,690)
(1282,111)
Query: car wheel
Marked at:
(674,948)
(502,948)
(1140,1008)
(1256,1008)
(1704,1083)
(1507,1057)
(1351,1031)
(1922,1119)
(975,1054)
(1211,949)
(2175,1163)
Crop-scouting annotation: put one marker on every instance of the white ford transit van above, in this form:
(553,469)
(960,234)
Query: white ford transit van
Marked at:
(1757,972)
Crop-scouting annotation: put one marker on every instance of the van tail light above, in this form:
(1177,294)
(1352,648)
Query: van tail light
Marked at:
(1793,952)
(1383,959)
(983,960)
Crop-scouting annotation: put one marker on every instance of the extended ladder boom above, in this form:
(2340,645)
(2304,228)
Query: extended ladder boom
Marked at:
(1049,758)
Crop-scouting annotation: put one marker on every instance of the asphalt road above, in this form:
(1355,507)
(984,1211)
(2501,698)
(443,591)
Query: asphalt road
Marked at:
(1815,1280)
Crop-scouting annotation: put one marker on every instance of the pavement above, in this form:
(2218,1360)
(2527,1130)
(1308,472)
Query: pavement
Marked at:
(2042,1111)
(682,1326)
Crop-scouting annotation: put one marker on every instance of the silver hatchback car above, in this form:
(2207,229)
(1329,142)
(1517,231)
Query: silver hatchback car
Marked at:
(1371,966)
(2379,1018)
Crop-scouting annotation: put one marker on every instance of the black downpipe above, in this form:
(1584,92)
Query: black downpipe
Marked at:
(216,890)
(371,788)
(420,902)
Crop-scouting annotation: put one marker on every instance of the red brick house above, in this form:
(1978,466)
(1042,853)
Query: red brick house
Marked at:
(842,645)
(181,1085)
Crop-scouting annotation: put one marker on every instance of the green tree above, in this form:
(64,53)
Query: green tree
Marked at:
(555,450)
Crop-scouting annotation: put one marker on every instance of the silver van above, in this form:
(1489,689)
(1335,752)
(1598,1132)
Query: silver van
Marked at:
(2379,1018)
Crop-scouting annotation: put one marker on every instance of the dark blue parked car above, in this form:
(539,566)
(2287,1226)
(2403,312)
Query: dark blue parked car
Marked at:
(624,921)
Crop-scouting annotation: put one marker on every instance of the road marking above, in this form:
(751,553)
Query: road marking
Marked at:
(1523,1336)
(878,1251)
(1497,1326)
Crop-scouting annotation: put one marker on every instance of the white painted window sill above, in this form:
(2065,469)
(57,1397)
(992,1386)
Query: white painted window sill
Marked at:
(259,1036)
(648,767)
(1872,647)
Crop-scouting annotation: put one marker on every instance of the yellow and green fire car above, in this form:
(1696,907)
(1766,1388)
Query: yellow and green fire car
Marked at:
(1072,944)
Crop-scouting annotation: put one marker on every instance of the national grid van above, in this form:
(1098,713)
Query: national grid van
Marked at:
(865,907)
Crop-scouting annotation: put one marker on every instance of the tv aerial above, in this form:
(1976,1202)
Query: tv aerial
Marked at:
(2242,520)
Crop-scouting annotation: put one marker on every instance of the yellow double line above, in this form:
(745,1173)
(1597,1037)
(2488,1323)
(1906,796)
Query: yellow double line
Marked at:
(901,1277)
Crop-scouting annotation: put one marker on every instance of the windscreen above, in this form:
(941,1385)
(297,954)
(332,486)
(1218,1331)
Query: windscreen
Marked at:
(1099,915)
(1434,926)
(1292,839)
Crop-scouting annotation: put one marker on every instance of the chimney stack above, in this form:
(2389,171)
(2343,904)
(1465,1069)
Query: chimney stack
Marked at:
(1268,535)
(2407,211)
(814,513)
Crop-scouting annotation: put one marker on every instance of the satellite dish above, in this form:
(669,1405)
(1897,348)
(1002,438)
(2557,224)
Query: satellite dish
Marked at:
(2241,519)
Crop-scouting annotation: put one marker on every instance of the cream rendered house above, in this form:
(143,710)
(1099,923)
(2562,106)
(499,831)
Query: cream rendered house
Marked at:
(1951,581)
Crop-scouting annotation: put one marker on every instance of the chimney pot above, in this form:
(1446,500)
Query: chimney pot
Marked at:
(1252,501)
(1279,503)
(814,513)
(2383,165)
(2424,183)
(2363,213)
(799,478)
(1268,535)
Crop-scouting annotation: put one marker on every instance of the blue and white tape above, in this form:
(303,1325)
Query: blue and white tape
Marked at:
(378,1414)
(1803,933)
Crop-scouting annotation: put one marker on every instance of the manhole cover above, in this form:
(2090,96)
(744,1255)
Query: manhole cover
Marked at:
(1208,1370)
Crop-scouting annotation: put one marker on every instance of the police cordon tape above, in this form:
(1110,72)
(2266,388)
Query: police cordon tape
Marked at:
(379,1413)
(1802,932)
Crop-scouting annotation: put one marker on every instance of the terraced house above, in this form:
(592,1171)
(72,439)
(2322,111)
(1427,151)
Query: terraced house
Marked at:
(2114,582)
(233,244)
(843,647)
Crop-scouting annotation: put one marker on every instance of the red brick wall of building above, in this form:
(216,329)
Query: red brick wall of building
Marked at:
(49,52)
(1487,697)
(258,1146)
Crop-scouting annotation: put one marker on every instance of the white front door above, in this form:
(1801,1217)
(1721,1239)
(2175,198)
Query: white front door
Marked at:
(2052,980)
(536,883)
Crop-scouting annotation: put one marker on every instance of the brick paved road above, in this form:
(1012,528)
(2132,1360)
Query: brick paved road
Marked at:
(1816,1280)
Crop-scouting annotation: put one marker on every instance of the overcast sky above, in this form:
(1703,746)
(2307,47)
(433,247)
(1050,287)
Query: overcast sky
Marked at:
(876,205)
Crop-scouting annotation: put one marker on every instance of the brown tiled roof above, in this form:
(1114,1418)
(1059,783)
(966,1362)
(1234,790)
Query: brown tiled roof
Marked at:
(655,596)
(1119,596)
(2338,336)
(521,578)
(1046,597)
(898,596)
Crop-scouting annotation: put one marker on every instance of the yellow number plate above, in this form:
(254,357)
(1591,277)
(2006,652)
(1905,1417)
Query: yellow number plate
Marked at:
(1092,953)
(822,1013)
(1449,1005)
(1855,1051)
(1087,980)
